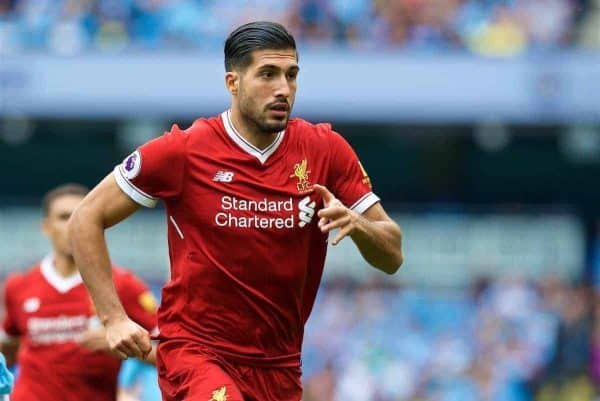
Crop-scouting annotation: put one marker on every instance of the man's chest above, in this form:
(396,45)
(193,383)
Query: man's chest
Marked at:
(242,194)
(49,317)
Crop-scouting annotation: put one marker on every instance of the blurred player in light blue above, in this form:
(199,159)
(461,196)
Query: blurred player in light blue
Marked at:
(6,379)
(138,381)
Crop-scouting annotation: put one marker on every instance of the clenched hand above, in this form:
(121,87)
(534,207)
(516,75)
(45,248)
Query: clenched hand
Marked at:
(128,339)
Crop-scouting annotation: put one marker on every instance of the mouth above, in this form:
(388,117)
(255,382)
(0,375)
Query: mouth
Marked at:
(279,109)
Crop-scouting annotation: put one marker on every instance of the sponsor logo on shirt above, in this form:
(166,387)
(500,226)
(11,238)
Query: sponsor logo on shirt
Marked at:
(307,211)
(244,213)
(219,395)
(59,329)
(223,176)
(31,305)
(301,172)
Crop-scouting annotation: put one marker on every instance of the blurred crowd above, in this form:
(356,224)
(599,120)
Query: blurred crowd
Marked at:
(504,340)
(492,27)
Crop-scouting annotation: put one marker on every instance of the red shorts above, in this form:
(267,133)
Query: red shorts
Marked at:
(187,372)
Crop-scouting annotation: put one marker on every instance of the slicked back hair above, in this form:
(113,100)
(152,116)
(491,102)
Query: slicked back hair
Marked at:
(62,190)
(253,36)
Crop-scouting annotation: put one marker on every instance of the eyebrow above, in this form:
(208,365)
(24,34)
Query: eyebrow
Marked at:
(275,67)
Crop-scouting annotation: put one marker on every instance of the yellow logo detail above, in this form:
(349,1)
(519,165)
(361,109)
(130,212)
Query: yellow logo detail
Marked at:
(366,179)
(219,395)
(148,302)
(301,172)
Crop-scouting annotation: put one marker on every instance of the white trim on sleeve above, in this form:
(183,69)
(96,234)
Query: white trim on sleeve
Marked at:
(365,202)
(132,191)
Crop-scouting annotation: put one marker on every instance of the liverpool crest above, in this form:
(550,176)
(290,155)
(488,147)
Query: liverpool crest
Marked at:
(301,172)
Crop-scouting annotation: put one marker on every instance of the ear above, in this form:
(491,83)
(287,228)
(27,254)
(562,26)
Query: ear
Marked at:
(45,226)
(232,82)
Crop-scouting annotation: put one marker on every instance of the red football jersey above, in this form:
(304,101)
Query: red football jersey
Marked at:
(48,312)
(246,252)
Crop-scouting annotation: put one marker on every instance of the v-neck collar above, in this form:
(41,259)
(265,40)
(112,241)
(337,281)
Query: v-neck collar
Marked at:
(60,283)
(261,155)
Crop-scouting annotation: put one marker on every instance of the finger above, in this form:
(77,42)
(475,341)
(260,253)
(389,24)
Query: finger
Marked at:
(118,354)
(341,222)
(122,350)
(324,192)
(323,221)
(332,212)
(341,235)
(130,348)
(143,342)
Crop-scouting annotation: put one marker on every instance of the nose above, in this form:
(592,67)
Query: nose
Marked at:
(282,89)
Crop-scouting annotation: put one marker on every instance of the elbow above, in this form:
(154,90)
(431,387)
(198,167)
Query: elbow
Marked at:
(396,257)
(394,263)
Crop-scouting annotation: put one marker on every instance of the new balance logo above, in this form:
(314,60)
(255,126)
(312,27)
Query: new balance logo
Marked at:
(307,211)
(223,176)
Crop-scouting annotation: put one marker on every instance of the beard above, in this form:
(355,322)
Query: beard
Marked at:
(259,120)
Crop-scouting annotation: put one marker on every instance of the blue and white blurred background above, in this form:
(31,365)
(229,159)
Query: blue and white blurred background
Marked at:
(478,121)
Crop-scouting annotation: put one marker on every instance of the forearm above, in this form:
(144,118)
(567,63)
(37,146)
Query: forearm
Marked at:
(9,348)
(380,243)
(91,256)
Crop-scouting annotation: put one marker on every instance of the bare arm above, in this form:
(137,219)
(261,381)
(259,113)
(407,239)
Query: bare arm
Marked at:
(103,207)
(95,340)
(9,346)
(376,235)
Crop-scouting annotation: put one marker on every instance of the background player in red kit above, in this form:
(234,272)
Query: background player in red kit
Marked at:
(247,247)
(50,318)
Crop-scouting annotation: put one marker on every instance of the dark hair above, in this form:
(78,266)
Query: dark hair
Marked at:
(253,36)
(62,190)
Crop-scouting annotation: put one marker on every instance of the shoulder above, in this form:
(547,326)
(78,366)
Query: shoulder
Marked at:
(126,280)
(180,136)
(121,274)
(133,291)
(300,125)
(310,133)
(202,127)
(321,134)
(15,282)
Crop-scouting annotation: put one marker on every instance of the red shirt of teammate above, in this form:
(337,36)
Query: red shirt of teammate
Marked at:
(49,313)
(50,319)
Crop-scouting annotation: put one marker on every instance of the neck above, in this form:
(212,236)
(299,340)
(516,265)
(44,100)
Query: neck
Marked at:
(250,132)
(64,264)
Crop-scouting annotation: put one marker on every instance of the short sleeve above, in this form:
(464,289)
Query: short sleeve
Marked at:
(155,170)
(138,301)
(348,180)
(10,326)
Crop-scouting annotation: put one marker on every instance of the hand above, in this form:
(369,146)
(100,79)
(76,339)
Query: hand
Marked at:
(335,215)
(126,395)
(126,338)
(94,340)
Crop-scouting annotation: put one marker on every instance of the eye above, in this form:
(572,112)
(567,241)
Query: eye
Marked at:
(64,216)
(266,74)
(293,75)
